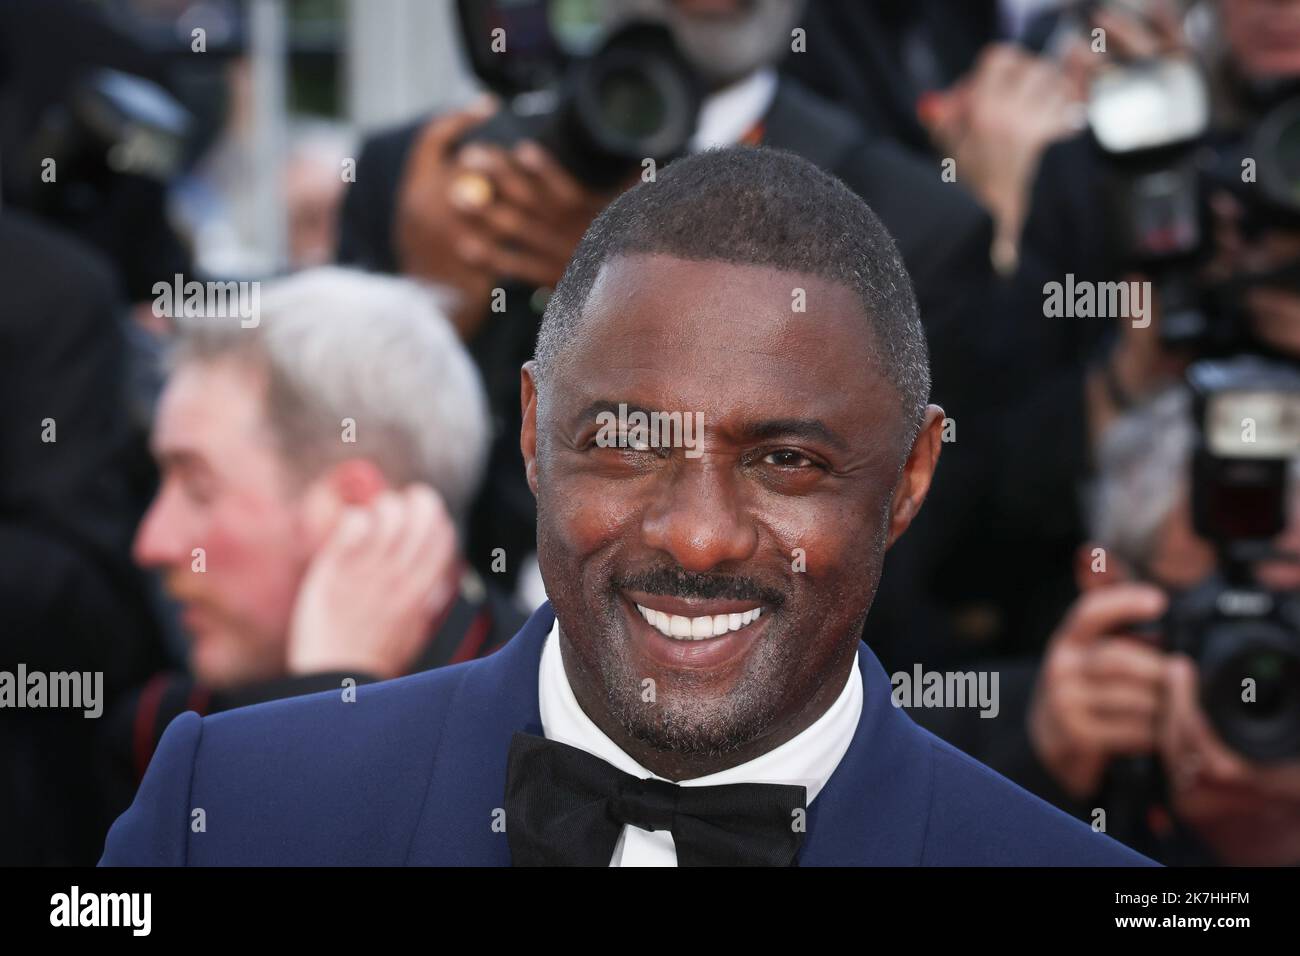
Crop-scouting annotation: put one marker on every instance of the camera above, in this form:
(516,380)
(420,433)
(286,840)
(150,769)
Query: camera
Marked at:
(1150,120)
(112,126)
(1245,638)
(601,104)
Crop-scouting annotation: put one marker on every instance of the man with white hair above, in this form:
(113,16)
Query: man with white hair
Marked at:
(1103,695)
(1109,688)
(314,466)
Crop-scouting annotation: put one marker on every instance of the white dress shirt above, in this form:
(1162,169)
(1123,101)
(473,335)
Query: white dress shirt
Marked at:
(731,112)
(807,759)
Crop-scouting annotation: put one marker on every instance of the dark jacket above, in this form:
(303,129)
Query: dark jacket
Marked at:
(72,599)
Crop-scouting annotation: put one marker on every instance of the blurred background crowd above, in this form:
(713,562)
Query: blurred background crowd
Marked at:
(328,484)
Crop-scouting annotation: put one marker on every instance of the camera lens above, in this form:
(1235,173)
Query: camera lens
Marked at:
(630,103)
(1277,146)
(1250,688)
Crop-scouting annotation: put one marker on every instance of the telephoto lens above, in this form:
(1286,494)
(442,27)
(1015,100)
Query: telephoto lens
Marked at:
(634,99)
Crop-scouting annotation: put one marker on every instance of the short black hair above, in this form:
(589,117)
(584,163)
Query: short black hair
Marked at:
(755,206)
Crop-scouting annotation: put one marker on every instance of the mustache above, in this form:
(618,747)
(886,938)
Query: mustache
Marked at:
(680,583)
(179,588)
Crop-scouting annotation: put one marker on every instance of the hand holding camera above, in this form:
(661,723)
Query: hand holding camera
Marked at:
(1099,691)
(1247,812)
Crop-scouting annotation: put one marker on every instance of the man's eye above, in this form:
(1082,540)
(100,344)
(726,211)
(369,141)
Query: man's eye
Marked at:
(786,458)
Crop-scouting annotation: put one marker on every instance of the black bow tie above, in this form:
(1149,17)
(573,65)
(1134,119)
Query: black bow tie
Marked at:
(565,807)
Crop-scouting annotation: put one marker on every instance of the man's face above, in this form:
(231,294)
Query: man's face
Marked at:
(1264,36)
(784,513)
(225,489)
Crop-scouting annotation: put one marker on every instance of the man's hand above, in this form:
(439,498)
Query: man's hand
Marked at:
(424,236)
(469,216)
(373,590)
(996,122)
(534,219)
(1248,813)
(1099,693)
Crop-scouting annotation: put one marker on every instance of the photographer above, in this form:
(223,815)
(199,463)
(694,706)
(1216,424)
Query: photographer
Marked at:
(92,135)
(1069,377)
(1106,693)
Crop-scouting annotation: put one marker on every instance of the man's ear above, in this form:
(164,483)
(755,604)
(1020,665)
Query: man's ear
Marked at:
(528,434)
(349,483)
(918,471)
(1095,567)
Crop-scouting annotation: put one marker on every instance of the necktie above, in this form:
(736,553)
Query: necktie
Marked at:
(565,807)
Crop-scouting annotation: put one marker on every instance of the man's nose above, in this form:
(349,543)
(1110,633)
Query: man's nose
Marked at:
(699,519)
(159,541)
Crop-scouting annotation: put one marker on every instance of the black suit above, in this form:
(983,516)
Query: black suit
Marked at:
(72,600)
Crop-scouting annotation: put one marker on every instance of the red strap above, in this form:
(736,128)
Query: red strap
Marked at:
(146,715)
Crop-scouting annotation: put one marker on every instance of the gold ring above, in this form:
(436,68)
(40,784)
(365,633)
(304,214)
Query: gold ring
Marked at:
(471,190)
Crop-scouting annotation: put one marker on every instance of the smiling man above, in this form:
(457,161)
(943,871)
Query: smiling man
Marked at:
(695,692)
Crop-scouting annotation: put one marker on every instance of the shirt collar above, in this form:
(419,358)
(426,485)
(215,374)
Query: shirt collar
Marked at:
(807,759)
(731,112)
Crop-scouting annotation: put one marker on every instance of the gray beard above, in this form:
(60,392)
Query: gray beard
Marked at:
(721,51)
(685,725)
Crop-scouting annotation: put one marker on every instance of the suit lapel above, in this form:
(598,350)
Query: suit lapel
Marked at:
(460,824)
(874,808)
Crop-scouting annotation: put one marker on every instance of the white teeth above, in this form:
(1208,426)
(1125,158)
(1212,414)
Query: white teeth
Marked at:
(697,628)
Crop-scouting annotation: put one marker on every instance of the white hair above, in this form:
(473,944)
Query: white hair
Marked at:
(340,345)
(1143,473)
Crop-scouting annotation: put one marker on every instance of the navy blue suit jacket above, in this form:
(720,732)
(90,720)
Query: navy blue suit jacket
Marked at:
(414,772)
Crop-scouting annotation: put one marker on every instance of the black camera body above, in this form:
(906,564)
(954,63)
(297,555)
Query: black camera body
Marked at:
(1151,121)
(111,128)
(1244,637)
(602,112)
(1246,644)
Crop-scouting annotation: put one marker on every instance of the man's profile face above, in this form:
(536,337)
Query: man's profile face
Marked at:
(224,489)
(785,513)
